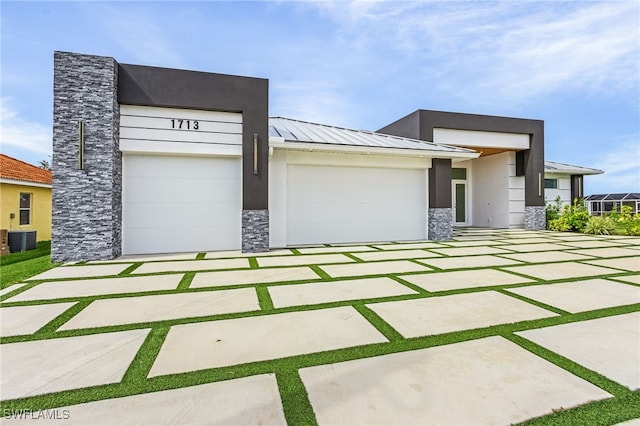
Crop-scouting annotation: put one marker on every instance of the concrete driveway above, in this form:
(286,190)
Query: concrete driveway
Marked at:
(494,327)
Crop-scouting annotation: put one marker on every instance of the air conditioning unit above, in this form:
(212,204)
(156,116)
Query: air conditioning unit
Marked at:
(22,241)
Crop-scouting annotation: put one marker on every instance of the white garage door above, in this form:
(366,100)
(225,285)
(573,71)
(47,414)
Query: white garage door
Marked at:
(348,204)
(178,204)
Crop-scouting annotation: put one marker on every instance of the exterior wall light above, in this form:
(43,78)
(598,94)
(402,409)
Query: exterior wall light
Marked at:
(255,153)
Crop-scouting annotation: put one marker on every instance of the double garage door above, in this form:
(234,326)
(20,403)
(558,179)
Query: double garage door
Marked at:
(180,204)
(327,204)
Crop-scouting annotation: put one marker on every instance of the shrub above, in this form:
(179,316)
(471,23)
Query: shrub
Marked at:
(577,215)
(626,220)
(552,211)
(600,225)
(573,217)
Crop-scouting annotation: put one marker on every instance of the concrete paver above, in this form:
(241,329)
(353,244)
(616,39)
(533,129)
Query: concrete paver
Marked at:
(441,281)
(527,248)
(250,400)
(624,263)
(472,243)
(252,276)
(335,249)
(11,288)
(324,292)
(408,246)
(445,314)
(39,367)
(312,259)
(593,244)
(96,287)
(18,320)
(149,258)
(81,271)
(159,307)
(481,261)
(373,268)
(527,240)
(485,381)
(396,254)
(470,251)
(607,345)
(237,253)
(634,279)
(558,271)
(191,265)
(580,296)
(547,256)
(197,346)
(607,252)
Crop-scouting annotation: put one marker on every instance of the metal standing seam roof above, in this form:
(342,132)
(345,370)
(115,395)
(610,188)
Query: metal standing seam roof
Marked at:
(554,167)
(296,131)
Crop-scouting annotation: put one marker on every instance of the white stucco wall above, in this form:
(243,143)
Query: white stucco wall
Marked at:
(564,188)
(473,138)
(490,200)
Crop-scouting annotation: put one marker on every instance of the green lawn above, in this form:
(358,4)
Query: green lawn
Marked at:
(15,267)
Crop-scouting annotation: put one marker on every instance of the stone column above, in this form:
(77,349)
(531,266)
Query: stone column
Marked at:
(87,203)
(440,213)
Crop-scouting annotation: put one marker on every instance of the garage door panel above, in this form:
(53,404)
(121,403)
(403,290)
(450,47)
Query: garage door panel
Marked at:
(174,204)
(162,190)
(354,204)
(180,240)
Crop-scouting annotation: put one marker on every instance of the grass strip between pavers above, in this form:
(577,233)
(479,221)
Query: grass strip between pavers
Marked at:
(295,401)
(138,370)
(598,413)
(185,282)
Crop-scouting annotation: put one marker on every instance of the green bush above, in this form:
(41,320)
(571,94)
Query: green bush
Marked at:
(572,218)
(552,211)
(600,225)
(626,220)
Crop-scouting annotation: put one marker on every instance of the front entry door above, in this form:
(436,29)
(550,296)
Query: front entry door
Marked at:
(459,202)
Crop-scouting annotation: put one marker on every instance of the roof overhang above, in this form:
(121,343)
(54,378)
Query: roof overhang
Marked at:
(24,183)
(280,143)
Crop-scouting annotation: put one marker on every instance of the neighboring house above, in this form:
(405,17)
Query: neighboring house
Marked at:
(598,204)
(565,180)
(158,160)
(25,197)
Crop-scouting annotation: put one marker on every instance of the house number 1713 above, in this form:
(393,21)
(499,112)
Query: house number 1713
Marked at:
(184,124)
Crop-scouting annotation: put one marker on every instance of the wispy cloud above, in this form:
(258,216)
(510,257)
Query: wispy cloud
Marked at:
(140,31)
(621,166)
(18,133)
(502,51)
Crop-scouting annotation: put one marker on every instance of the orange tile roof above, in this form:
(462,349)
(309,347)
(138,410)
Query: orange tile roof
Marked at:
(11,168)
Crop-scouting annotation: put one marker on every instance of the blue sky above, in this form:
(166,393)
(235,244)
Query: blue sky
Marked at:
(575,65)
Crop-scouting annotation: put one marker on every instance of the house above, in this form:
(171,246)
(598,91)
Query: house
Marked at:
(565,181)
(599,204)
(158,160)
(25,197)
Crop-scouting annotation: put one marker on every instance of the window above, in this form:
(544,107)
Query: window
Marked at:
(551,183)
(459,173)
(25,208)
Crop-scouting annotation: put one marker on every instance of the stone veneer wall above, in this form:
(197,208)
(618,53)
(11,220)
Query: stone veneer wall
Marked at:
(535,218)
(87,204)
(255,231)
(440,224)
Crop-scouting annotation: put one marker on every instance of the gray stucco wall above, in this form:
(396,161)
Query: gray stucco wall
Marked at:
(87,204)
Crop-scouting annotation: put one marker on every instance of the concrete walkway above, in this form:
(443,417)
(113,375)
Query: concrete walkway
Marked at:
(469,331)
